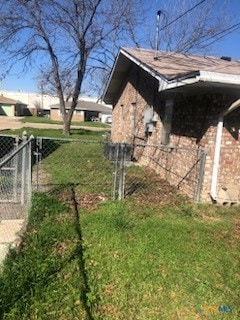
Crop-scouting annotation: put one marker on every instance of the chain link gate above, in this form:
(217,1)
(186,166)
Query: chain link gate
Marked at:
(15,181)
(94,168)
(119,153)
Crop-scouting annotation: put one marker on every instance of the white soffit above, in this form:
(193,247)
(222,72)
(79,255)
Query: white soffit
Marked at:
(218,77)
(202,76)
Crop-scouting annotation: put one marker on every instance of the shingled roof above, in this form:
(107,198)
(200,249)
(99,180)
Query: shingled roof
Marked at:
(173,65)
(171,69)
(4,100)
(87,106)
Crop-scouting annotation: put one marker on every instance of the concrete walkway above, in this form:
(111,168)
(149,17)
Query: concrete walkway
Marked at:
(9,235)
(14,123)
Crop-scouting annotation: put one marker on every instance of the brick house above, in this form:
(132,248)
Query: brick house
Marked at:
(182,113)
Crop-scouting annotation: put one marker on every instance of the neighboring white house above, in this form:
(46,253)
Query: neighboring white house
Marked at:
(35,101)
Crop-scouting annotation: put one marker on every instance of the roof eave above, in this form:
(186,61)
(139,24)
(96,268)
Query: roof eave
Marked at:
(200,76)
(107,92)
(104,96)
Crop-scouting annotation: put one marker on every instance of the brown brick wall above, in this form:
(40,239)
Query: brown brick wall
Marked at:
(56,116)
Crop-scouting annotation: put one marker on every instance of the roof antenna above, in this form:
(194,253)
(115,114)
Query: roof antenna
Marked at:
(157,34)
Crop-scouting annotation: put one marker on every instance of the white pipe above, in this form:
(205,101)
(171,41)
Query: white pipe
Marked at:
(217,151)
(216,158)
(232,107)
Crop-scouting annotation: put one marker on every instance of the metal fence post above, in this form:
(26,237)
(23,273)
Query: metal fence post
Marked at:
(15,172)
(200,175)
(29,170)
(23,175)
(122,171)
(38,154)
(116,155)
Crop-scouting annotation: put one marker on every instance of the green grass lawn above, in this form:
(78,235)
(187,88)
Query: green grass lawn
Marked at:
(147,263)
(133,262)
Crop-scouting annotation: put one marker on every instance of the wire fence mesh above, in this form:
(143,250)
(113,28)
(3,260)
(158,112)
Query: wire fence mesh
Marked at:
(15,193)
(8,143)
(63,163)
(15,182)
(103,170)
(179,167)
(108,170)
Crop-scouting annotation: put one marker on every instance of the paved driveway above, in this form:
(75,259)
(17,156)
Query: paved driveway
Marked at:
(10,123)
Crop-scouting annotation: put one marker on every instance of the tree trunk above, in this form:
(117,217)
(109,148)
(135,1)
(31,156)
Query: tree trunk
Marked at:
(66,126)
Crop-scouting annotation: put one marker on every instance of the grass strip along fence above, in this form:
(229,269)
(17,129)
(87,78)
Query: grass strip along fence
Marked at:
(149,263)
(122,260)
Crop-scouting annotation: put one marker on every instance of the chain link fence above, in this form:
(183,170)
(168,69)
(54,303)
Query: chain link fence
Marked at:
(104,171)
(8,143)
(98,172)
(15,192)
(180,167)
(15,181)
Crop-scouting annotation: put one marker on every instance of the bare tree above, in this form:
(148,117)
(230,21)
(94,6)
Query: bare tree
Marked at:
(37,104)
(187,26)
(70,39)
(66,36)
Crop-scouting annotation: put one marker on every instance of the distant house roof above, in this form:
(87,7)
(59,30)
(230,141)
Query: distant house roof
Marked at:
(172,69)
(4,100)
(87,106)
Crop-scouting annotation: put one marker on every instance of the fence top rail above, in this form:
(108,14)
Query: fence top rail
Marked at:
(16,151)
(10,135)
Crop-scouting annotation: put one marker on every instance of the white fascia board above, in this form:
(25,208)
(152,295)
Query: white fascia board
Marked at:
(110,76)
(166,85)
(208,76)
(203,76)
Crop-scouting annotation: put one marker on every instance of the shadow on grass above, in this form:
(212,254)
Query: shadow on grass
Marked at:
(9,296)
(21,277)
(85,290)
